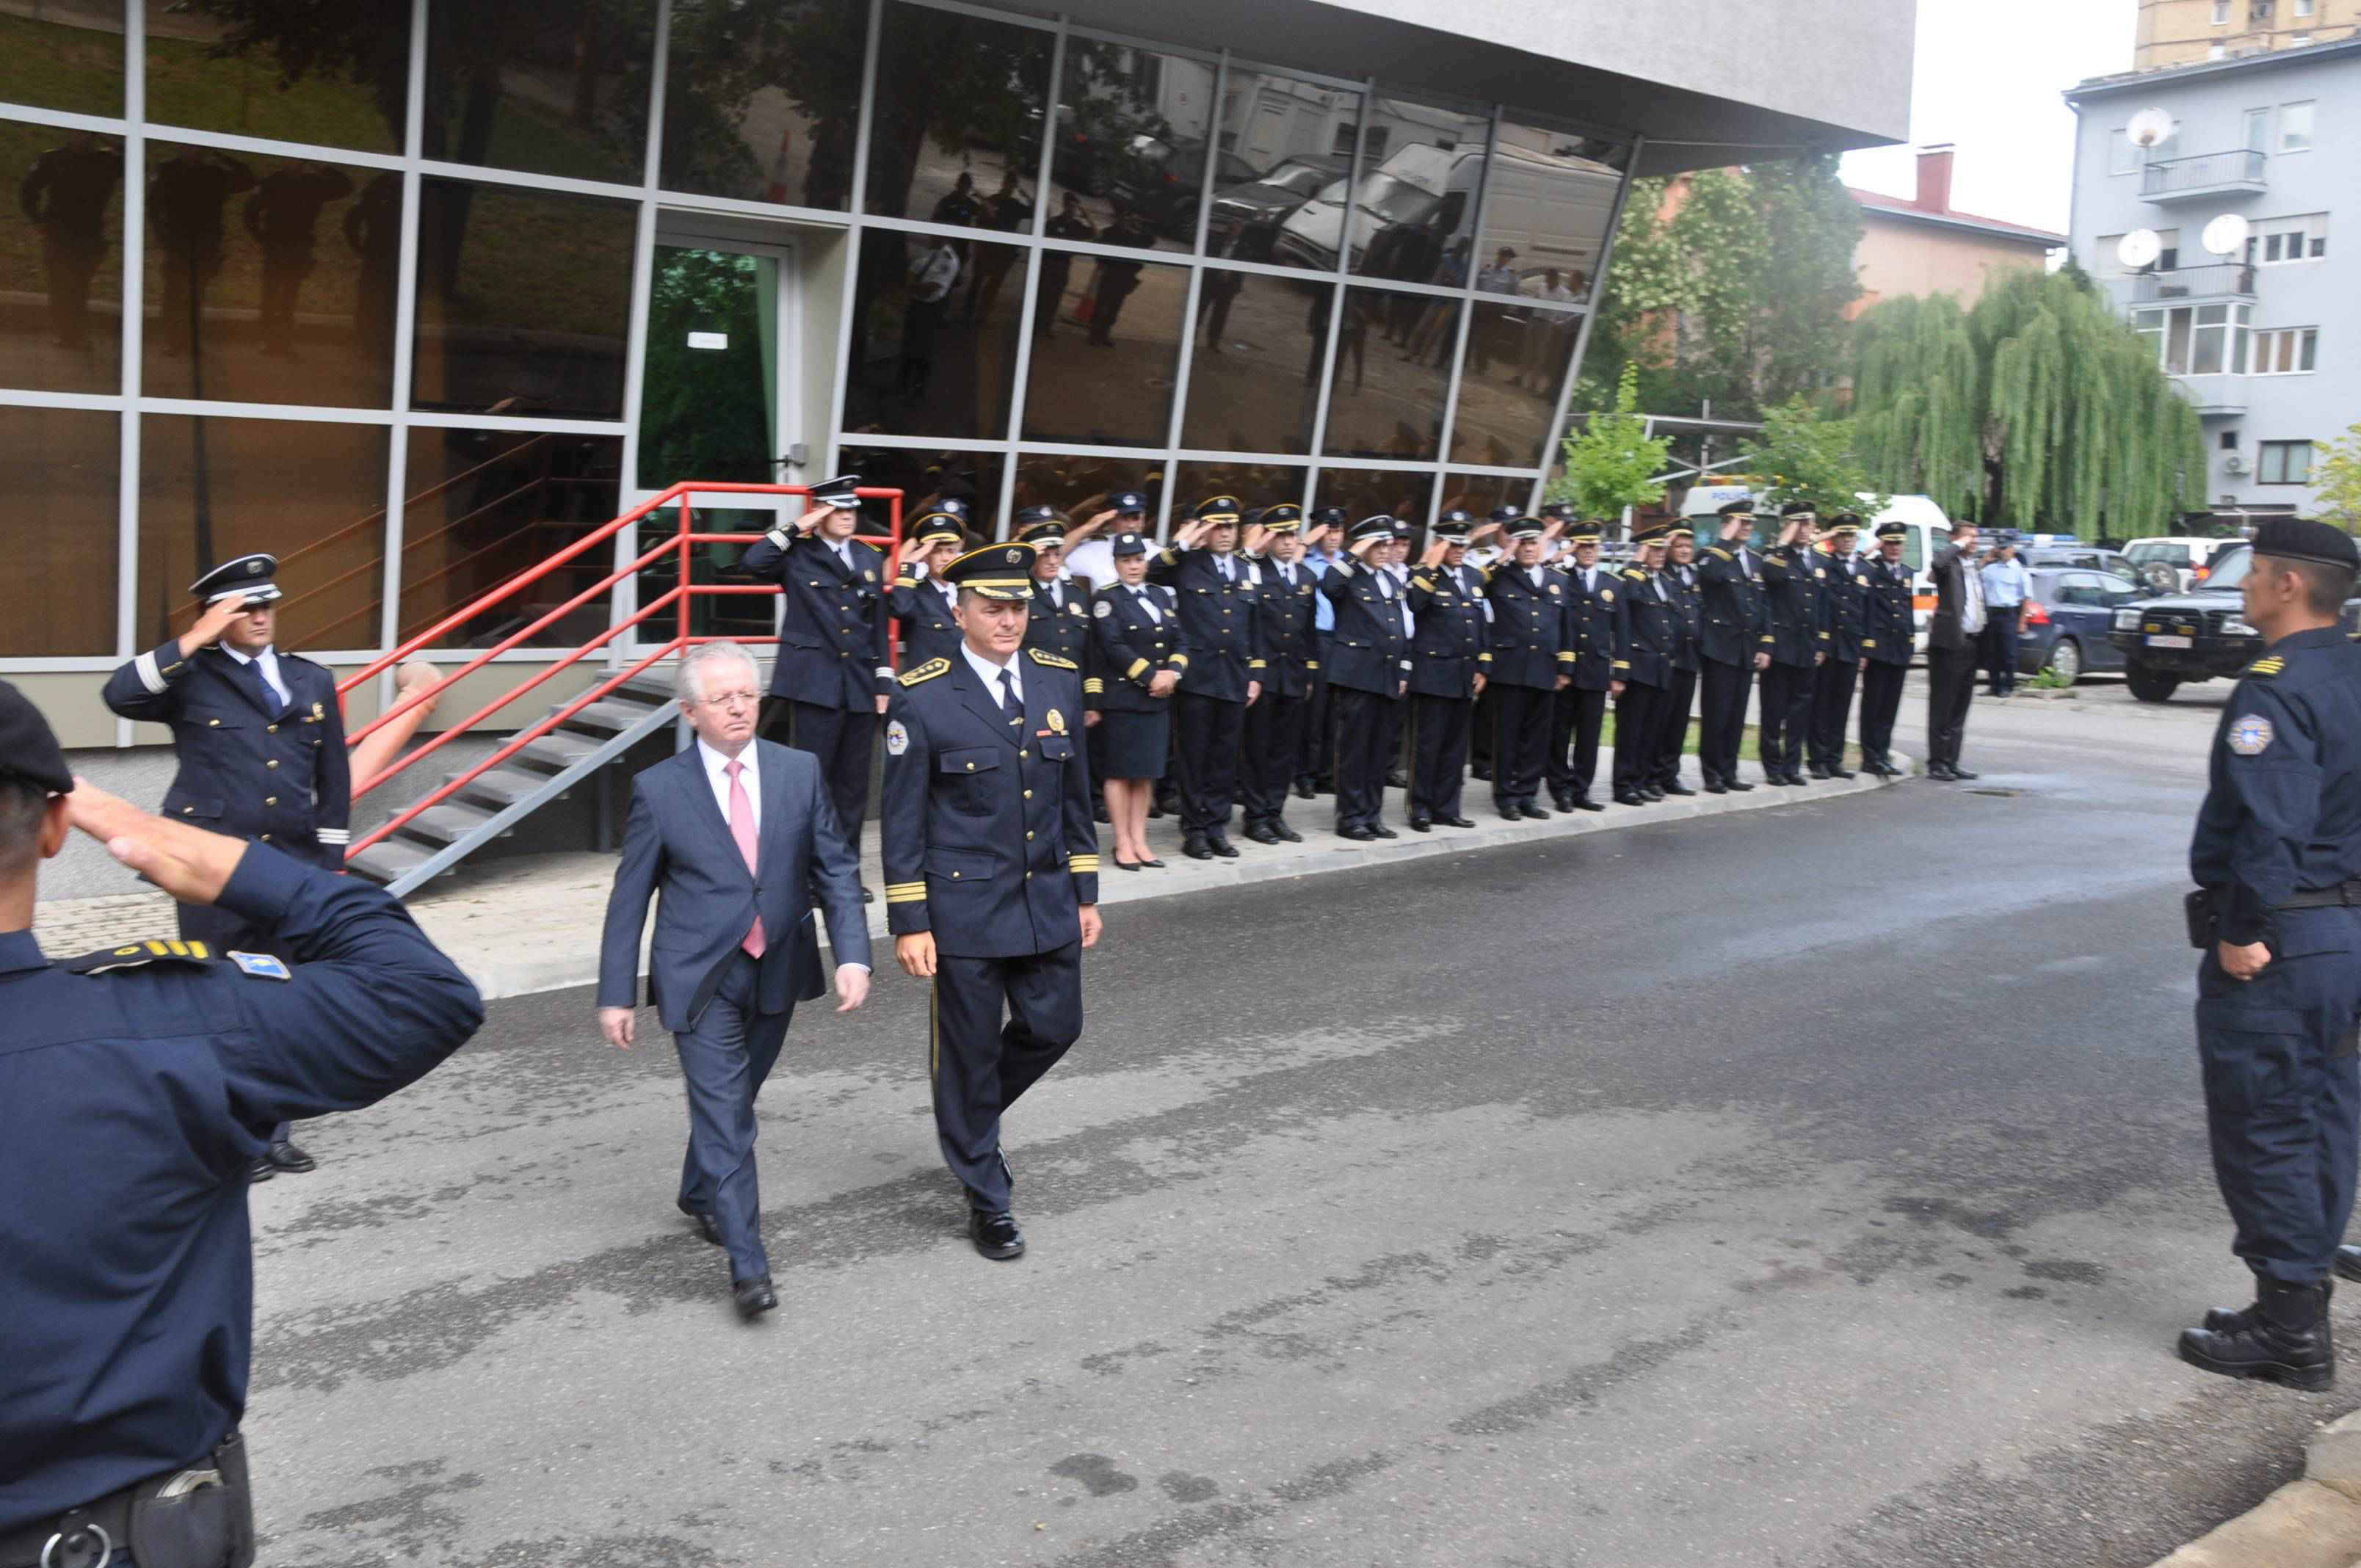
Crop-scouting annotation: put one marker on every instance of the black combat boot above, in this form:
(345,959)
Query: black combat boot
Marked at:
(2283,1339)
(2222,1320)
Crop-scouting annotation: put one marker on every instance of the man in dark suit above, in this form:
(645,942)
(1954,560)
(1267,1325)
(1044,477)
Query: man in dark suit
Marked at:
(1578,716)
(1369,674)
(728,836)
(1450,658)
(1733,642)
(1951,638)
(830,683)
(1272,736)
(1532,661)
(1887,607)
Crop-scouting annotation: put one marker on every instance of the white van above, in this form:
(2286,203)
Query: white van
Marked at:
(1929,526)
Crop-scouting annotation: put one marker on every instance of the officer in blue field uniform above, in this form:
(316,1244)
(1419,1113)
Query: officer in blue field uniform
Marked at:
(831,678)
(921,602)
(2277,857)
(259,738)
(992,870)
(136,1085)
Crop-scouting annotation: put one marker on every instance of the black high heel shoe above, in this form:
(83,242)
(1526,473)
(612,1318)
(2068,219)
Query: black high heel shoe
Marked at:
(1150,864)
(1123,865)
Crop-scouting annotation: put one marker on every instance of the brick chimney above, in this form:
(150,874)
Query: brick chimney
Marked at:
(1934,179)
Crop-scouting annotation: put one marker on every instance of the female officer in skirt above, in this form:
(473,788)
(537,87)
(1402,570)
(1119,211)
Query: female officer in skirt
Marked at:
(1135,658)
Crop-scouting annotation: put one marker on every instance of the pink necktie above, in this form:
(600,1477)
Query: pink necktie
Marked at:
(741,828)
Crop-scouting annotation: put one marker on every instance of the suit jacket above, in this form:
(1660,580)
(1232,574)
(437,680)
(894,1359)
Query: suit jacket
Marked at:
(1950,569)
(832,641)
(677,847)
(1220,619)
(1128,649)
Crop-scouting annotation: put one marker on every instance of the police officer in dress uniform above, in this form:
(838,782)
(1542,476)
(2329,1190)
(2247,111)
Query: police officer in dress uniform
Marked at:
(1848,603)
(991,869)
(137,1086)
(921,602)
(831,678)
(2276,858)
(1795,578)
(1885,634)
(1137,659)
(1368,673)
(259,738)
(1061,618)
(1450,656)
(1220,617)
(1532,661)
(1649,621)
(1323,543)
(1272,735)
(1680,577)
(1578,714)
(1733,642)
(1489,557)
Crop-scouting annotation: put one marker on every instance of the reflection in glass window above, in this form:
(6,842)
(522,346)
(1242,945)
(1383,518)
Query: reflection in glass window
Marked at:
(523,300)
(934,335)
(1130,139)
(1104,360)
(313,495)
(63,466)
(956,132)
(1281,148)
(1517,360)
(1546,205)
(328,76)
(1254,485)
(1480,495)
(1386,400)
(61,326)
(556,88)
(257,266)
(1082,488)
(926,477)
(62,57)
(760,97)
(484,505)
(1415,202)
(1255,382)
(1367,492)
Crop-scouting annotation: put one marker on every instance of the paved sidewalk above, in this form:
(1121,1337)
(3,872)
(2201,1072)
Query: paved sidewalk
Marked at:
(532,923)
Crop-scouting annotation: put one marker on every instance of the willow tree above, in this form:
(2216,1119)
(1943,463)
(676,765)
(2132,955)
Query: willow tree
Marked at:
(2038,408)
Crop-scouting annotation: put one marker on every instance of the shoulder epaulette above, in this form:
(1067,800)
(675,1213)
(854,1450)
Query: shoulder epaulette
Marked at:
(2270,665)
(926,671)
(1052,660)
(1635,575)
(1717,552)
(138,955)
(1423,585)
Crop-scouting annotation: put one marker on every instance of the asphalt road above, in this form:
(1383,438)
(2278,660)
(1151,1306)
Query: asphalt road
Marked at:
(1819,1187)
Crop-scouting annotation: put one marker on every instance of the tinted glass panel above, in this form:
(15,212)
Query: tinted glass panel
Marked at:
(556,88)
(1103,369)
(959,101)
(62,465)
(523,301)
(925,478)
(328,76)
(61,242)
(1255,381)
(1129,149)
(708,400)
(269,280)
(313,495)
(62,57)
(760,99)
(1283,142)
(1546,205)
(1415,203)
(1255,484)
(1481,494)
(486,504)
(1082,488)
(1387,402)
(1515,361)
(934,335)
(1364,492)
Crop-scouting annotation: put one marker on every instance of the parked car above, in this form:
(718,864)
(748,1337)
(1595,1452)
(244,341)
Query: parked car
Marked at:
(2090,556)
(1159,181)
(1265,201)
(2175,564)
(2067,620)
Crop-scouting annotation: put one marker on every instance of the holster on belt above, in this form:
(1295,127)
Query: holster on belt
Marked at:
(197,1518)
(2204,920)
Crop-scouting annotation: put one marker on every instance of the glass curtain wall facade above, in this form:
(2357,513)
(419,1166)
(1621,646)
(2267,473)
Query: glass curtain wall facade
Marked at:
(372,288)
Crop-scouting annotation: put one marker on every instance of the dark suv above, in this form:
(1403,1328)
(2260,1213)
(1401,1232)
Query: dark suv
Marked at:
(2197,635)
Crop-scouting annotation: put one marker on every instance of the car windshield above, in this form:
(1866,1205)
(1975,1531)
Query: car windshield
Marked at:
(1303,178)
(2230,568)
(2157,550)
(1394,200)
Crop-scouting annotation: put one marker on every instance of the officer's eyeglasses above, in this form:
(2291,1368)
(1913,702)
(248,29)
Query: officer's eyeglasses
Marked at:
(731,699)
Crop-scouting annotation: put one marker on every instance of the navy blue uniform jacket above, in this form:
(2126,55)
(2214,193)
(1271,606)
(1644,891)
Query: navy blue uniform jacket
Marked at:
(1794,582)
(1220,619)
(1598,627)
(1532,632)
(1450,649)
(1368,651)
(925,618)
(1737,622)
(1064,632)
(1887,601)
(1127,650)
(833,631)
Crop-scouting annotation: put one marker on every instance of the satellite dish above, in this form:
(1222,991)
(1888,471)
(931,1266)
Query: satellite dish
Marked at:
(2226,236)
(2138,249)
(2149,126)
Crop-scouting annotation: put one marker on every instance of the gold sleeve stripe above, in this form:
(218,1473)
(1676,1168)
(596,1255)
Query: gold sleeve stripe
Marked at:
(1136,665)
(1179,659)
(1083,863)
(917,897)
(1093,685)
(1254,665)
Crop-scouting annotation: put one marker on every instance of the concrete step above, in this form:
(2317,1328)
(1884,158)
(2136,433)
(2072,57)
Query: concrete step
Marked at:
(612,714)
(503,785)
(383,862)
(449,821)
(561,749)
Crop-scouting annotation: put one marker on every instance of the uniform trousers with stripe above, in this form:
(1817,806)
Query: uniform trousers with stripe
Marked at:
(998,1025)
(1639,714)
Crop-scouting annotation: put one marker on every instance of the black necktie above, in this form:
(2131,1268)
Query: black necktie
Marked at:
(1009,703)
(270,703)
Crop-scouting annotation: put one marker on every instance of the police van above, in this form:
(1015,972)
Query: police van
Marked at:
(1930,529)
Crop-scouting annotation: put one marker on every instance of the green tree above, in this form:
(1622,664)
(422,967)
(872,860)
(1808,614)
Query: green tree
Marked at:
(2038,408)
(2336,475)
(1802,456)
(1611,463)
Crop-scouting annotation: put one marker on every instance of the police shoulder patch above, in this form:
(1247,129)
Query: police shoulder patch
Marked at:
(898,738)
(138,955)
(2250,736)
(926,671)
(1104,608)
(1052,660)
(2270,665)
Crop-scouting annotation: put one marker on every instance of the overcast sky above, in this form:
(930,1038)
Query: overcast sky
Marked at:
(1988,77)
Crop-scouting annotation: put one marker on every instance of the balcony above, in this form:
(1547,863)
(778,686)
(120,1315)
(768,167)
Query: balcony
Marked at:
(2220,396)
(2207,175)
(2219,280)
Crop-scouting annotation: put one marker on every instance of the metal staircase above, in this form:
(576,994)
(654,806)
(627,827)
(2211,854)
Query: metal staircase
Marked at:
(580,752)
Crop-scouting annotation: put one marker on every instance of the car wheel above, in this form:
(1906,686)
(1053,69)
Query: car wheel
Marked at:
(2150,684)
(2161,578)
(2066,660)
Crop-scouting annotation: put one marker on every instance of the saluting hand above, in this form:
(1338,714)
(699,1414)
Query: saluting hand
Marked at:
(187,861)
(210,626)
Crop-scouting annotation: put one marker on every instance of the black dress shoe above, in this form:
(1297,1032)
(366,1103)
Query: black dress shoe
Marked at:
(1422,824)
(1737,787)
(867,896)
(1652,792)
(1457,821)
(1584,803)
(1357,833)
(1303,790)
(754,1297)
(1961,775)
(708,1227)
(1261,834)
(996,1236)
(1099,814)
(1538,813)
(2283,1338)
(1154,812)
(1397,779)
(1562,803)
(1630,797)
(288,1158)
(1817,770)
(1512,813)
(1675,788)
(1285,835)
(1380,831)
(1195,847)
(1151,864)
(261,1170)
(1220,844)
(1715,786)
(1843,774)
(1940,772)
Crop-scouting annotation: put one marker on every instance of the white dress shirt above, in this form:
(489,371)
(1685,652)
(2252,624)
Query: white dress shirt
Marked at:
(268,659)
(1148,602)
(1971,601)
(989,673)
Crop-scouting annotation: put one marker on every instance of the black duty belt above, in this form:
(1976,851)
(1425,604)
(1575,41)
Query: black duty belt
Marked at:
(202,1517)
(81,1538)
(2344,895)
